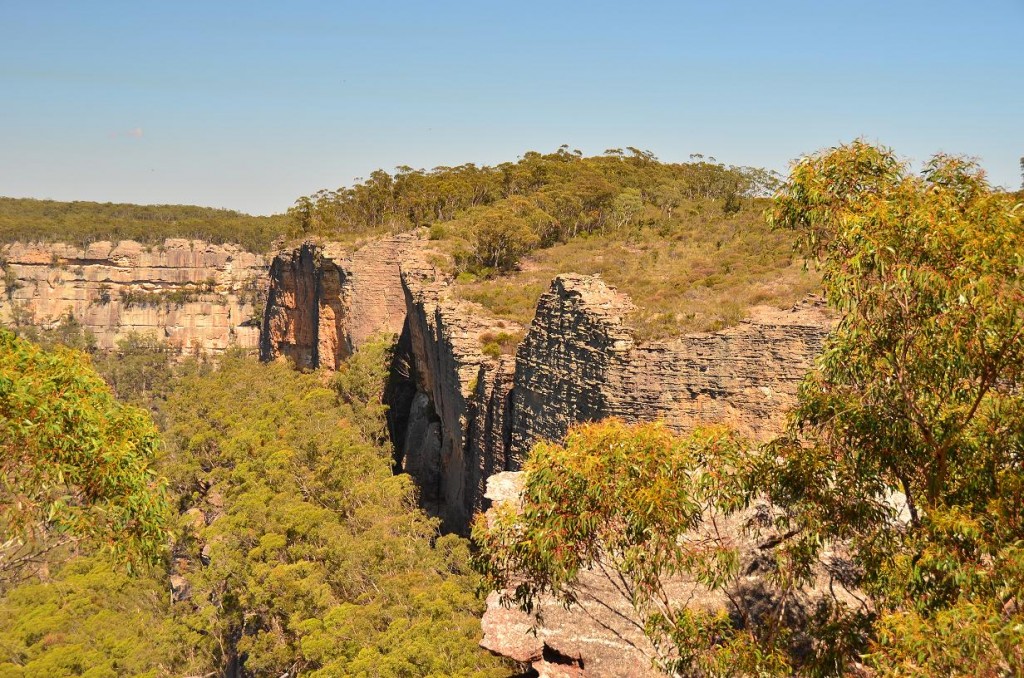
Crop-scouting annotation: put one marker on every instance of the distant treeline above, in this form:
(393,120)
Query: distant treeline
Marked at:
(537,201)
(80,223)
(570,193)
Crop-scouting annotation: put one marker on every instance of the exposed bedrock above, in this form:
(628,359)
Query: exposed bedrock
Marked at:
(448,401)
(457,413)
(192,294)
(601,635)
(580,362)
(325,300)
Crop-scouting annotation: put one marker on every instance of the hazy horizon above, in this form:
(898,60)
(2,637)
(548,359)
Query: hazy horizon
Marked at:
(247,107)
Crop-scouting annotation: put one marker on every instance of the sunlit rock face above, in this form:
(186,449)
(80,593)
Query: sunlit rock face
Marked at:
(457,413)
(326,299)
(466,415)
(193,295)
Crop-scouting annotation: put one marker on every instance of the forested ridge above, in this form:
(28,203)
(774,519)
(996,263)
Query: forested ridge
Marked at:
(578,195)
(82,222)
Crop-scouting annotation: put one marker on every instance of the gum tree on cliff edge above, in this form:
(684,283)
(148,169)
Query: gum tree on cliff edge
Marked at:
(917,393)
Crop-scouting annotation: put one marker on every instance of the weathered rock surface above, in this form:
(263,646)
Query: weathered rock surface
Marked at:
(594,638)
(580,362)
(325,300)
(455,432)
(189,293)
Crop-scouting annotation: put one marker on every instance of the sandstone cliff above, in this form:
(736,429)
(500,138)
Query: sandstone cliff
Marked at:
(457,415)
(580,362)
(189,293)
(449,411)
(325,300)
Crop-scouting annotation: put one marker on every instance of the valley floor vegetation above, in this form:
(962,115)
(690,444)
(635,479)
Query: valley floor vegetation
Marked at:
(904,459)
(267,533)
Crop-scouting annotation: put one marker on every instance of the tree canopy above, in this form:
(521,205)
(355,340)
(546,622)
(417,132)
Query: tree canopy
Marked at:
(915,404)
(75,464)
(294,549)
(497,213)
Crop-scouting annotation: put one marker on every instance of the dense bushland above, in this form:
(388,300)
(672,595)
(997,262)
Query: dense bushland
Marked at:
(293,549)
(80,223)
(76,465)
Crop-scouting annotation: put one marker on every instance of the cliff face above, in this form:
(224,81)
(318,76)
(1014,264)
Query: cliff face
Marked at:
(189,293)
(453,434)
(325,301)
(458,415)
(579,362)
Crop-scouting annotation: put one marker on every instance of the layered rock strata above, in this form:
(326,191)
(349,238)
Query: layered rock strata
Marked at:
(457,414)
(192,294)
(325,300)
(580,362)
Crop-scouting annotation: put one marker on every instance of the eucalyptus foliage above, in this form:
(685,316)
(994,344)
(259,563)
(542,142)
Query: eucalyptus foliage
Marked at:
(915,405)
(75,464)
(645,510)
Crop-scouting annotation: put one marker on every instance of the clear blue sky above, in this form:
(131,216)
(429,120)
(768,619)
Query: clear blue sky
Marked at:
(249,104)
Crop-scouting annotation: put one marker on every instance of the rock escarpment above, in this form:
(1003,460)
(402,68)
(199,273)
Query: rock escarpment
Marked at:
(458,412)
(580,362)
(325,300)
(449,405)
(194,295)
(458,415)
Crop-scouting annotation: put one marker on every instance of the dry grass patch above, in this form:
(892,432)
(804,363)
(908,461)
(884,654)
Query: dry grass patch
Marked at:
(700,271)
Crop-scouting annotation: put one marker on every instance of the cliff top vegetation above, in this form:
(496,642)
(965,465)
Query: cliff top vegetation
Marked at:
(80,223)
(688,241)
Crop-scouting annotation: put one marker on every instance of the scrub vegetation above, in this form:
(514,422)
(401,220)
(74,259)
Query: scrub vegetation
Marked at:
(688,241)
